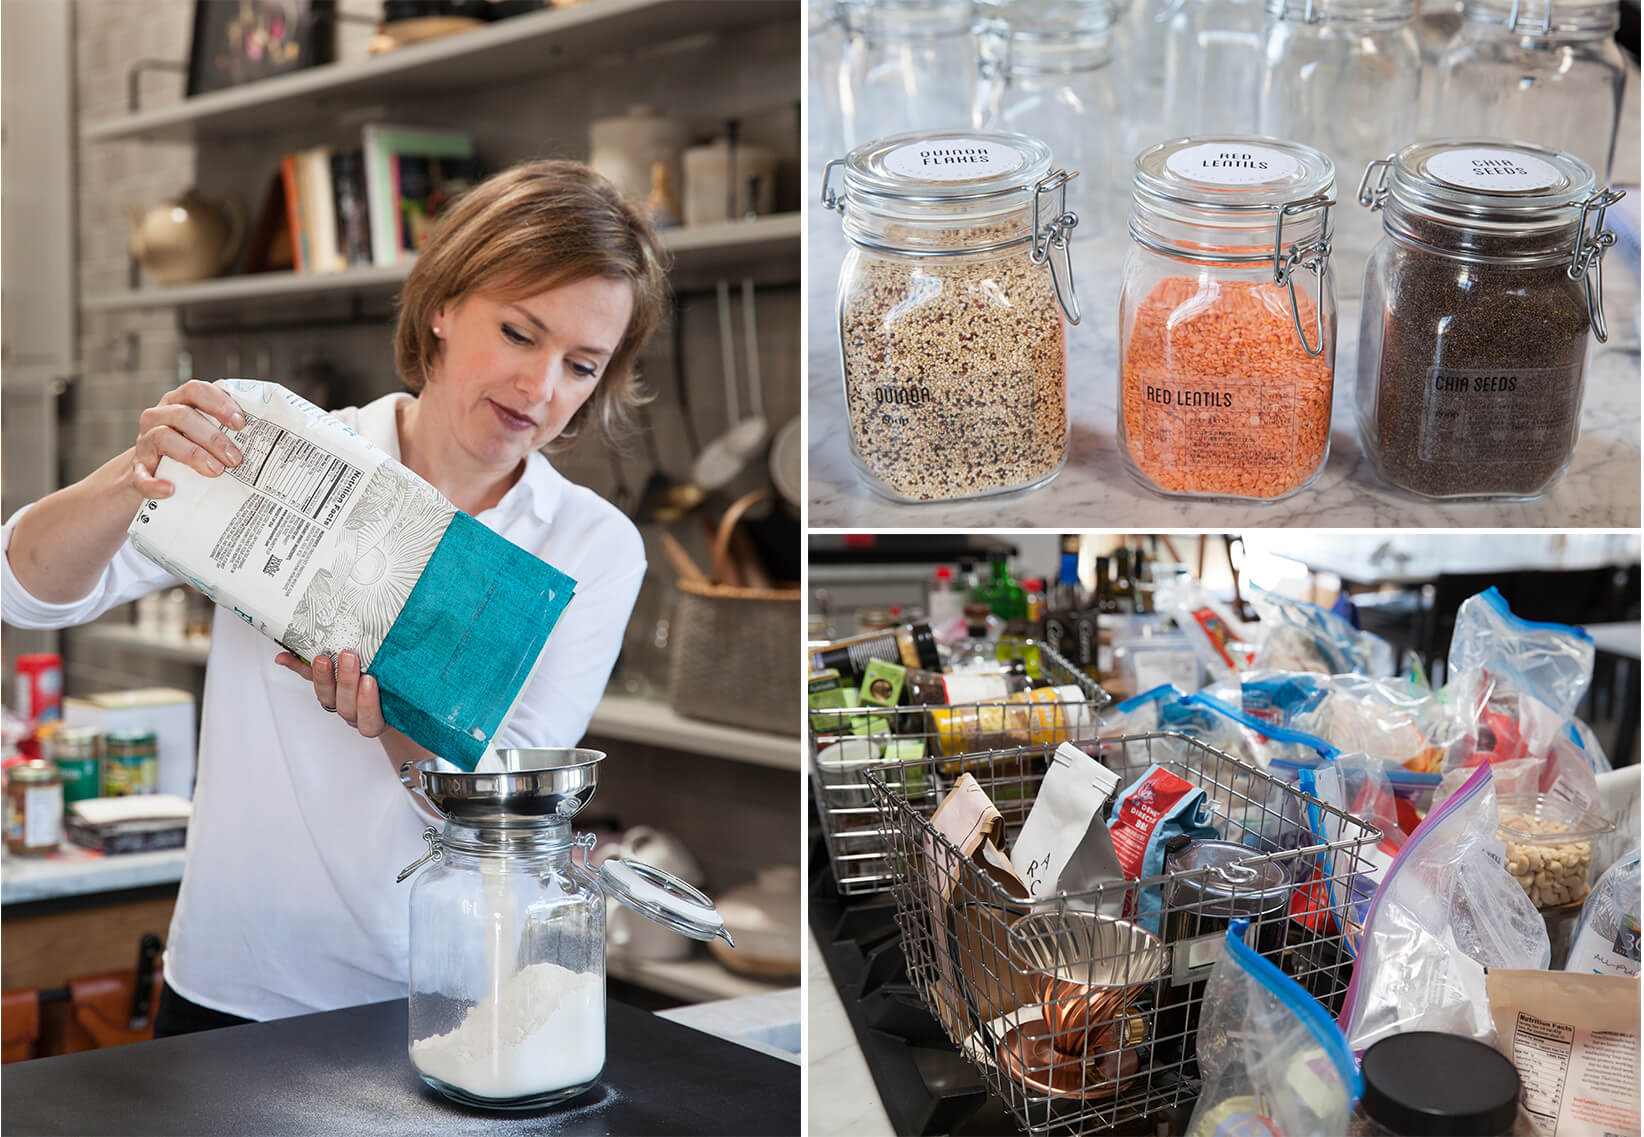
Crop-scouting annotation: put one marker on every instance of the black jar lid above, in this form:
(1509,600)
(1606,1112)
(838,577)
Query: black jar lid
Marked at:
(1425,1083)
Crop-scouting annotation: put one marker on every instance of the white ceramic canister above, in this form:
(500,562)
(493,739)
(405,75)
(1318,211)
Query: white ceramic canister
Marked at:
(624,148)
(723,183)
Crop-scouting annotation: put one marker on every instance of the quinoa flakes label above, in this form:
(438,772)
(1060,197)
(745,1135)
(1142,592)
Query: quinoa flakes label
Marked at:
(1231,164)
(1478,415)
(952,160)
(1491,168)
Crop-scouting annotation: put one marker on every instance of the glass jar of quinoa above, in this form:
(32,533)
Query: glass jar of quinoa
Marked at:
(951,304)
(1227,318)
(1478,306)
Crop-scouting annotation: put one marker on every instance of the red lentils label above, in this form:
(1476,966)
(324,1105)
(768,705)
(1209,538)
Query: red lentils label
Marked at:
(1232,164)
(1480,415)
(1195,428)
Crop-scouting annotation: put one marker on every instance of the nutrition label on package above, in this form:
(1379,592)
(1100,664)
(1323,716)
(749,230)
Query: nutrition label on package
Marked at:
(1489,416)
(294,471)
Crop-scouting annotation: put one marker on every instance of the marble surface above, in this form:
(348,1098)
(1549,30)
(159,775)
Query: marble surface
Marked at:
(1601,488)
(843,1101)
(73,871)
(768,1023)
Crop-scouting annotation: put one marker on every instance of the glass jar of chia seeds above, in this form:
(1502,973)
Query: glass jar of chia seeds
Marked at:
(1227,318)
(1479,305)
(952,298)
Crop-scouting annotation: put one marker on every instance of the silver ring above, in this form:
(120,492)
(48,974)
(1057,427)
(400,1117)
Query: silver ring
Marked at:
(328,710)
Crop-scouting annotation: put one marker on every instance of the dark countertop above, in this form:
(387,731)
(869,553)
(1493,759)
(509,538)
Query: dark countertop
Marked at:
(346,1072)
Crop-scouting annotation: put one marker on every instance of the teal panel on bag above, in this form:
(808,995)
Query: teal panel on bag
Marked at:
(465,643)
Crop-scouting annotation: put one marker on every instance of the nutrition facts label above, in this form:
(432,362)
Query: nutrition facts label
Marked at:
(294,471)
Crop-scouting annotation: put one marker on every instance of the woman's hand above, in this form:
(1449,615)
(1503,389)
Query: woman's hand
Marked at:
(341,689)
(183,425)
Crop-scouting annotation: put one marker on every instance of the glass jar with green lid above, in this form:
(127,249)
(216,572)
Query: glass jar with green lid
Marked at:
(130,763)
(77,753)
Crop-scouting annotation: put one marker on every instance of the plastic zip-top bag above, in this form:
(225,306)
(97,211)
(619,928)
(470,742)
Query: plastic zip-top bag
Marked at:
(322,542)
(1271,1059)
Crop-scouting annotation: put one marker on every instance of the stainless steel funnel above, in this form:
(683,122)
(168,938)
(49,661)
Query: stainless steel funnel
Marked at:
(533,786)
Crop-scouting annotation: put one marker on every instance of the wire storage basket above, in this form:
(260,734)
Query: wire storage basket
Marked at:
(1081,1009)
(845,743)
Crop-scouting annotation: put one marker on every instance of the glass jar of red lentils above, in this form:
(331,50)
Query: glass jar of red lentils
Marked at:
(1227,319)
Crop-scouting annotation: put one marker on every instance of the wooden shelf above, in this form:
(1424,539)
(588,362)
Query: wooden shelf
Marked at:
(695,980)
(696,250)
(624,717)
(519,48)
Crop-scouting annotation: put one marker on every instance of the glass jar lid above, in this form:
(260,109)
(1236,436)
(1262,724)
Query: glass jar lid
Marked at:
(1546,17)
(663,897)
(1342,11)
(949,167)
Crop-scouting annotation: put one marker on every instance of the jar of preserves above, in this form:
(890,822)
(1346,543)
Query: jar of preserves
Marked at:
(130,763)
(908,65)
(1479,308)
(34,808)
(77,753)
(1323,55)
(1226,358)
(951,304)
(1047,70)
(507,934)
(1545,71)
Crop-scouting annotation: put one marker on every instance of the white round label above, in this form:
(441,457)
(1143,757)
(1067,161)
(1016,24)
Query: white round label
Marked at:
(1231,164)
(1487,168)
(952,160)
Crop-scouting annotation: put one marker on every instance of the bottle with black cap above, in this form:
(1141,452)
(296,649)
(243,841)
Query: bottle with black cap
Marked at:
(1426,1083)
(911,645)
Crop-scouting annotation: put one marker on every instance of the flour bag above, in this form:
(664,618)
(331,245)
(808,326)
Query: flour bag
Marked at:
(324,543)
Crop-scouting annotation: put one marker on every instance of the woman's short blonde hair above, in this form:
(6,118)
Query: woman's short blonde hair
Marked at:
(529,229)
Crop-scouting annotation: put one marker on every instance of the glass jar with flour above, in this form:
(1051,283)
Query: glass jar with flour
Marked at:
(507,945)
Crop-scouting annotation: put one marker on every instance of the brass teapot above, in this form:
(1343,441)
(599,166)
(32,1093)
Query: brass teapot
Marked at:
(192,237)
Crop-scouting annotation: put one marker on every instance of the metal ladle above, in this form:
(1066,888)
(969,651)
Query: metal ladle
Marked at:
(728,455)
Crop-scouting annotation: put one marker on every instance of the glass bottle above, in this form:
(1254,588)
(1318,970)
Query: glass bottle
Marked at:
(1478,309)
(1213,67)
(1544,71)
(908,65)
(1045,69)
(507,931)
(951,303)
(1227,319)
(1324,56)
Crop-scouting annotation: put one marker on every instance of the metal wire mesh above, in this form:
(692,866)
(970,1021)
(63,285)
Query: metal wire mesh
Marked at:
(1081,1010)
(846,742)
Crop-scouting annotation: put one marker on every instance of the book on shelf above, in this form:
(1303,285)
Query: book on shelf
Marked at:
(319,211)
(411,173)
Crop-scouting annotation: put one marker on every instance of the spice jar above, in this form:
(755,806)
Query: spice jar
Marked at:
(1227,360)
(1546,71)
(34,808)
(1478,304)
(130,763)
(75,750)
(507,933)
(951,304)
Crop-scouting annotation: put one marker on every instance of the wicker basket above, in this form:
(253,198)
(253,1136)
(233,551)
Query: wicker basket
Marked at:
(736,651)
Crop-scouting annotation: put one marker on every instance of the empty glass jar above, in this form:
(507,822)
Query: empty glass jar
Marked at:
(1213,67)
(1546,71)
(1047,70)
(1343,76)
(951,303)
(507,937)
(1478,307)
(909,65)
(1227,319)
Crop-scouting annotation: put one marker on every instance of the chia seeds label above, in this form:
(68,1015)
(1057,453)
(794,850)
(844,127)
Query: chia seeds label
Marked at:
(1478,415)
(1231,164)
(1494,170)
(952,160)
(1196,428)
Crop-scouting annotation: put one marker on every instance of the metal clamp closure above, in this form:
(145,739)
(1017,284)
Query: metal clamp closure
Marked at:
(1050,241)
(585,842)
(1373,197)
(435,851)
(1312,257)
(832,198)
(1587,260)
(1542,27)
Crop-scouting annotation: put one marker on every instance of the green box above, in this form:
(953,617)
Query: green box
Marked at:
(882,684)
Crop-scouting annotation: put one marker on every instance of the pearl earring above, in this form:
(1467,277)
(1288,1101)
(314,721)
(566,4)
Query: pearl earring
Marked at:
(436,329)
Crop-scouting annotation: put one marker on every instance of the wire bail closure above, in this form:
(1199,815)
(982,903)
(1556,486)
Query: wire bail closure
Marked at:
(435,851)
(1053,237)
(831,198)
(1312,257)
(1374,197)
(1587,260)
(1543,27)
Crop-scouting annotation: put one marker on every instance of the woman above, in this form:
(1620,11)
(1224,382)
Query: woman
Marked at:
(519,326)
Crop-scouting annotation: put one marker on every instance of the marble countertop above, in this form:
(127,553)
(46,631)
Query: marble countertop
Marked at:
(73,871)
(1601,488)
(850,1107)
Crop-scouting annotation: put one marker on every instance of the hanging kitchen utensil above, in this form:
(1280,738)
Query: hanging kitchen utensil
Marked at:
(728,455)
(664,499)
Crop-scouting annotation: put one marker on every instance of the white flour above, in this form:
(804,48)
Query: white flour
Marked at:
(541,1029)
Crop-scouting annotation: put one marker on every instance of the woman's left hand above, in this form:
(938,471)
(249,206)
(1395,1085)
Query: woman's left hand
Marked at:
(341,689)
